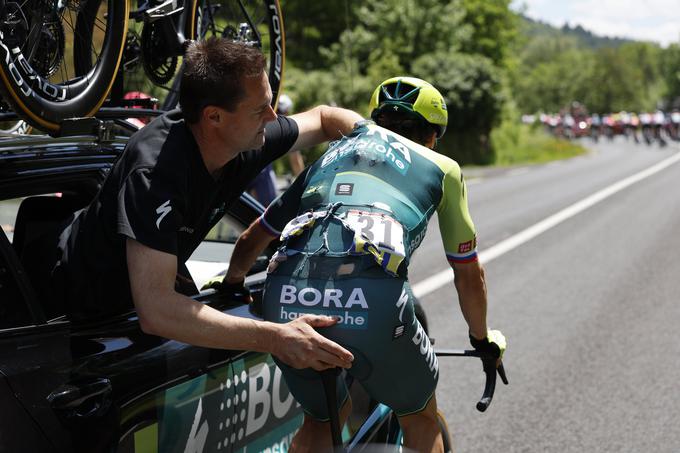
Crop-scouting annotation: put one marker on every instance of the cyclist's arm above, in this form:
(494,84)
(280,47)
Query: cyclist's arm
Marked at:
(255,239)
(460,244)
(321,124)
(252,242)
(471,287)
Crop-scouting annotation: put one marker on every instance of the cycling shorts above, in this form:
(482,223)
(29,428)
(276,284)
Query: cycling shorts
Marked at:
(393,357)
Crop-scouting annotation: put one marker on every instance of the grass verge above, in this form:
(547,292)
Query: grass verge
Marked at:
(523,144)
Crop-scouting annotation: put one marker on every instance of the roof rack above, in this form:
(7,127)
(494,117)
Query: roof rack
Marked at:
(104,125)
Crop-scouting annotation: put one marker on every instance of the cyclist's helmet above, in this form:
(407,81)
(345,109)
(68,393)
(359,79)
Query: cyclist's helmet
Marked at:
(411,95)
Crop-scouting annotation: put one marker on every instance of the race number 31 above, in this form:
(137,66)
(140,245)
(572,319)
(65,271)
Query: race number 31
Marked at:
(382,230)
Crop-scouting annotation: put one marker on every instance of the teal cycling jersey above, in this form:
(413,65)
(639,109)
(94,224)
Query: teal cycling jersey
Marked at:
(367,199)
(386,186)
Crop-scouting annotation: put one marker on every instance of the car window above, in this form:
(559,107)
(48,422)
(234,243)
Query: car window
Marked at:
(212,256)
(24,222)
(13,307)
(227,230)
(8,215)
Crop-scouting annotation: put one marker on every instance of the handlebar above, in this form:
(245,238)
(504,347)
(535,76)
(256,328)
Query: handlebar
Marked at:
(489,367)
(328,377)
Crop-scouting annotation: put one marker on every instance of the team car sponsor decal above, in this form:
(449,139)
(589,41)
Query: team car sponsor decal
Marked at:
(243,406)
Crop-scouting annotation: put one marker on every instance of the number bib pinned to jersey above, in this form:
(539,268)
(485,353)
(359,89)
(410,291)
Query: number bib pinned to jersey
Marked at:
(379,235)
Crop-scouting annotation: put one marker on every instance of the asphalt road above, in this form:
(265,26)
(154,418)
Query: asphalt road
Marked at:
(590,308)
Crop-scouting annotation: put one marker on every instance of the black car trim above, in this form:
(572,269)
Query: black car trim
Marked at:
(17,270)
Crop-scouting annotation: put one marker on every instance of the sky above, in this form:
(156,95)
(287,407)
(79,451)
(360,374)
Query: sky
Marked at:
(647,20)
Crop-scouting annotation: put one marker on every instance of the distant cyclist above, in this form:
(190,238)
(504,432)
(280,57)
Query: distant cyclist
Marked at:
(358,213)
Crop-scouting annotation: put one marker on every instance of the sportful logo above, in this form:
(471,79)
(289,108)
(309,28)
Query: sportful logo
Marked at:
(163,210)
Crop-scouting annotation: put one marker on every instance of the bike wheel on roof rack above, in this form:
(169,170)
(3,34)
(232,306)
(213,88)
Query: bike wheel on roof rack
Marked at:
(38,41)
(257,22)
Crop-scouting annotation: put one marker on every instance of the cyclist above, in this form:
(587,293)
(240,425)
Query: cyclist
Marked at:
(358,213)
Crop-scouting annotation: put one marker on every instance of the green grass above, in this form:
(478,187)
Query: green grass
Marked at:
(521,144)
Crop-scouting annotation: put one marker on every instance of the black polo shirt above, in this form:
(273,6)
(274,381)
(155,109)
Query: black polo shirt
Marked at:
(160,194)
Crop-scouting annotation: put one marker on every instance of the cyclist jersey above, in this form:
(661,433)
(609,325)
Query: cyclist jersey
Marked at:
(386,188)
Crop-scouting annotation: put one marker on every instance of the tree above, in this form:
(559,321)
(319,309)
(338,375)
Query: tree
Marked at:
(670,70)
(471,85)
(494,29)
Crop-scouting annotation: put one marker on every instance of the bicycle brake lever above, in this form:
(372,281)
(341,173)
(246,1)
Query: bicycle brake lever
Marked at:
(501,373)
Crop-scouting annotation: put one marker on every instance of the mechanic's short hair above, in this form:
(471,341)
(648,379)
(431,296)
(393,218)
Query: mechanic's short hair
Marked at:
(213,74)
(415,129)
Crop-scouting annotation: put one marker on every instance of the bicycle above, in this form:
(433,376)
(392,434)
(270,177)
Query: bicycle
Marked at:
(60,58)
(39,43)
(381,426)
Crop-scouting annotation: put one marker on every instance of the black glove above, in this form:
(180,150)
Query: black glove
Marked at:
(493,345)
(236,291)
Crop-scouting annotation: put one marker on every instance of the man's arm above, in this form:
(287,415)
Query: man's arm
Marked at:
(471,287)
(164,312)
(250,244)
(321,124)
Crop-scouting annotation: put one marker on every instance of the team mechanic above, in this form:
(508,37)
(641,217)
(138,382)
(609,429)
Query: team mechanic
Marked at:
(172,184)
(359,212)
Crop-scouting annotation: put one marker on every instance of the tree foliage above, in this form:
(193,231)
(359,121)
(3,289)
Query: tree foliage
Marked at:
(480,54)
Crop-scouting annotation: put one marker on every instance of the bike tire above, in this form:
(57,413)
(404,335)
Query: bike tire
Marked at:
(45,102)
(446,435)
(215,19)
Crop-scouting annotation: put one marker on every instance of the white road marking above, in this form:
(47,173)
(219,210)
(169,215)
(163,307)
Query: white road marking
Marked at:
(443,278)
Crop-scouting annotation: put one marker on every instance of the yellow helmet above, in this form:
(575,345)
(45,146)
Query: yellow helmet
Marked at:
(411,95)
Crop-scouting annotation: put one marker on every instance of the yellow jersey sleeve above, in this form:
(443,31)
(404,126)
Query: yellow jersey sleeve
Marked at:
(455,223)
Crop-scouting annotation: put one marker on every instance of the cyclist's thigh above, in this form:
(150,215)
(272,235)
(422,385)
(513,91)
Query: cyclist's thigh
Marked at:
(287,297)
(404,370)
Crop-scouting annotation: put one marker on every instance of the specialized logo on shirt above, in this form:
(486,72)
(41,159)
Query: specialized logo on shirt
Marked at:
(163,210)
(352,313)
(344,189)
(401,304)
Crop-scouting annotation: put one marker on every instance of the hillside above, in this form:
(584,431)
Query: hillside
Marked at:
(536,29)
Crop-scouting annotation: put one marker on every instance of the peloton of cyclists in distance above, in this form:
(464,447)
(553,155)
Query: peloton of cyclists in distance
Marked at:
(575,122)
